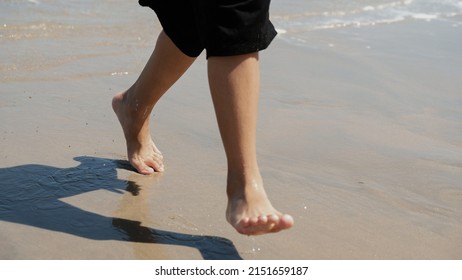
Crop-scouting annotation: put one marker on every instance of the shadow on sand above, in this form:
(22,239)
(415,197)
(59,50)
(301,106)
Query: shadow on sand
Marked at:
(30,195)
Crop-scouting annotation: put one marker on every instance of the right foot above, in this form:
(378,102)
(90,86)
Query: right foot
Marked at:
(250,212)
(142,153)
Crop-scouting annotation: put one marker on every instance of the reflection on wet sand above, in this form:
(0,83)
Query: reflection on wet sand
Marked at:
(32,195)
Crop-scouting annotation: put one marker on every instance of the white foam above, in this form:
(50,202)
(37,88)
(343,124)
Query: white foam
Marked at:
(369,8)
(424,16)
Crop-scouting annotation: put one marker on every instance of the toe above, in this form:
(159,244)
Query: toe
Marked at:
(147,171)
(286,221)
(144,169)
(263,220)
(254,221)
(155,165)
(273,218)
(242,226)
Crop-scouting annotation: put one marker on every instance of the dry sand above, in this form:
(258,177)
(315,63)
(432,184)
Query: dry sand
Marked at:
(360,140)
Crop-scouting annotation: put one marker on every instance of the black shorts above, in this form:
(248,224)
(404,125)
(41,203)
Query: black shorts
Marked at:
(221,27)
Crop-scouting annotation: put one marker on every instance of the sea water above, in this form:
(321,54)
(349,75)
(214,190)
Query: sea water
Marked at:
(289,16)
(295,19)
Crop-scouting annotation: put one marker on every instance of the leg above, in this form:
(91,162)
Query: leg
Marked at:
(234,84)
(133,107)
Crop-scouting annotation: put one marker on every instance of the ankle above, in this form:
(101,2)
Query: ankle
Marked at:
(242,184)
(130,107)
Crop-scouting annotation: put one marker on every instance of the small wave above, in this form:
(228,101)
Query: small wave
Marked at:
(353,14)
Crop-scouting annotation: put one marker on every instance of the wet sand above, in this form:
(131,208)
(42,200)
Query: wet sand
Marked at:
(359,139)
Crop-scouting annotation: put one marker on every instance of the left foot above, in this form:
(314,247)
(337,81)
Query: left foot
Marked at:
(141,150)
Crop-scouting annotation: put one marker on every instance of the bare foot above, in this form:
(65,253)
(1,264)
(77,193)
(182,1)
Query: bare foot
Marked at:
(141,150)
(251,213)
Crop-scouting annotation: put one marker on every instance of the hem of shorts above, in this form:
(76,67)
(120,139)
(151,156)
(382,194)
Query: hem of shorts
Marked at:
(192,54)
